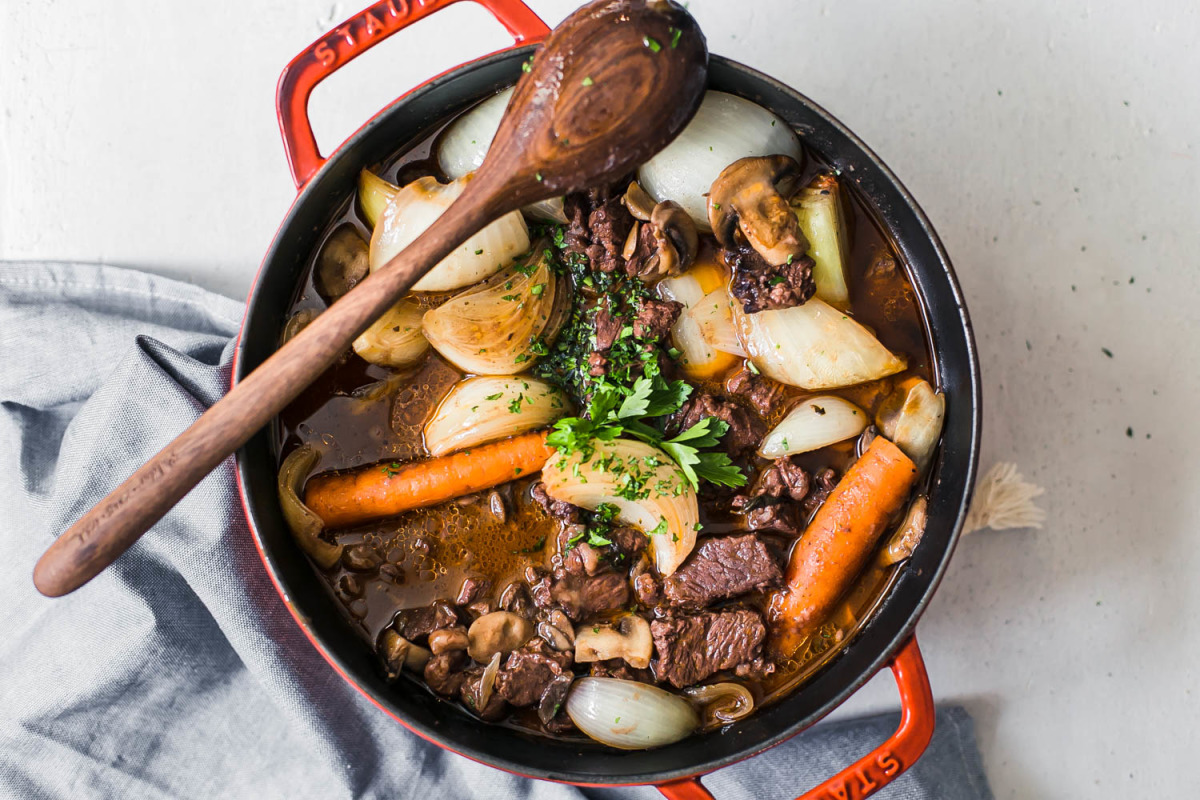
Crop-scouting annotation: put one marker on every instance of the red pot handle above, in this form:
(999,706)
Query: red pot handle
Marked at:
(352,38)
(882,765)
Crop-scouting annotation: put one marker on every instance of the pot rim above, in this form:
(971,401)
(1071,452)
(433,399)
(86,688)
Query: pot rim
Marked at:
(882,655)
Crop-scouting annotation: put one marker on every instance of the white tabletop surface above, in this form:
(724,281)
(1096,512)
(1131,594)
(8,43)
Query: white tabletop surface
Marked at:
(1055,146)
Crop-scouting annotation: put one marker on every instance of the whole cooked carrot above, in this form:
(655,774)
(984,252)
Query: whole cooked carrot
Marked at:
(838,542)
(349,498)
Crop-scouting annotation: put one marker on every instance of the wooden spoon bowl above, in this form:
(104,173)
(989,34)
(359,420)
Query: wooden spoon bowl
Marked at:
(610,87)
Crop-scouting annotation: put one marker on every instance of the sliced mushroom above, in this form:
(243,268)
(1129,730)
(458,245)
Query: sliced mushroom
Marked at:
(666,245)
(629,639)
(447,639)
(399,652)
(296,323)
(554,636)
(497,632)
(342,264)
(631,242)
(639,203)
(750,195)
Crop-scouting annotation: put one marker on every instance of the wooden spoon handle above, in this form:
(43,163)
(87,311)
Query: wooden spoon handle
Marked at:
(116,522)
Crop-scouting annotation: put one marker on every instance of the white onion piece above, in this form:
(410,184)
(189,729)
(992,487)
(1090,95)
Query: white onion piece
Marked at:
(820,215)
(374,194)
(465,142)
(697,355)
(413,210)
(485,409)
(606,476)
(912,418)
(725,128)
(813,346)
(814,423)
(714,316)
(488,680)
(628,714)
(395,339)
(494,328)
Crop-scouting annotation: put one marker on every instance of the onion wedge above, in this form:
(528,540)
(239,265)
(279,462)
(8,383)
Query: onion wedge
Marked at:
(813,423)
(819,211)
(414,208)
(649,491)
(813,346)
(484,409)
(499,326)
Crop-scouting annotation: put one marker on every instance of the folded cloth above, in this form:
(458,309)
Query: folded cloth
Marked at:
(178,672)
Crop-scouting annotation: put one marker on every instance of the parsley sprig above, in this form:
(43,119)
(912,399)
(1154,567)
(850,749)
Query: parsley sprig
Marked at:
(616,411)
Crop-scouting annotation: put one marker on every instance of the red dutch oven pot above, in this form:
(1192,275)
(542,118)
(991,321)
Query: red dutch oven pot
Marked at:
(326,185)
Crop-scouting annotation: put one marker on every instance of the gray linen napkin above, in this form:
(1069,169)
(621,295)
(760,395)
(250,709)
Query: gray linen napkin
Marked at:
(178,672)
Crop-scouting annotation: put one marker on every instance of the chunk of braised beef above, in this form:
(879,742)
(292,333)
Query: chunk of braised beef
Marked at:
(528,672)
(759,390)
(770,503)
(778,517)
(608,326)
(583,595)
(597,225)
(515,599)
(417,623)
(618,668)
(578,557)
(597,365)
(823,483)
(469,692)
(570,514)
(654,318)
(745,430)
(690,648)
(444,673)
(471,589)
(764,287)
(721,568)
(646,590)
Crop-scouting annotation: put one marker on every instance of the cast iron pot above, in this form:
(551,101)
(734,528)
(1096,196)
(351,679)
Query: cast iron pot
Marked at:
(888,638)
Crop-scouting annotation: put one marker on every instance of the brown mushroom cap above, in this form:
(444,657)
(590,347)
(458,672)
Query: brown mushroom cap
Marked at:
(749,195)
(497,632)
(677,226)
(342,264)
(639,203)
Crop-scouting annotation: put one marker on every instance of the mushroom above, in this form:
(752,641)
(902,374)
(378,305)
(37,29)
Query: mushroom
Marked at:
(629,639)
(556,637)
(674,239)
(447,639)
(639,203)
(342,264)
(399,652)
(497,632)
(749,195)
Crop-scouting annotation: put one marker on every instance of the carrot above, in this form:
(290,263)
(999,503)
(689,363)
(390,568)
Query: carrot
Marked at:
(341,499)
(838,542)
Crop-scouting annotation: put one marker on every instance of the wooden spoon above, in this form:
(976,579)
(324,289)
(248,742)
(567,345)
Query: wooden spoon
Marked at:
(611,86)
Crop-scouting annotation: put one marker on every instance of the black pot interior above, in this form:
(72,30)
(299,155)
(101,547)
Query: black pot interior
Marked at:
(408,121)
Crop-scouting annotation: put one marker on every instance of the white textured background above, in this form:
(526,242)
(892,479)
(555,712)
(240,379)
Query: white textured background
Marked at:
(1055,148)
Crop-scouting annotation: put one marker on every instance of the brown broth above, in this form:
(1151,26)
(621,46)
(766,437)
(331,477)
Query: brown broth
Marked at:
(359,414)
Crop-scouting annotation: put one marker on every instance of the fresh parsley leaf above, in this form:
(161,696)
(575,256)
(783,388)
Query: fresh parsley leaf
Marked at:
(715,467)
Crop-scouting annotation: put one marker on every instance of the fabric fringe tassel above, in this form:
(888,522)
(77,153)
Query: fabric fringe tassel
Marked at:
(1003,500)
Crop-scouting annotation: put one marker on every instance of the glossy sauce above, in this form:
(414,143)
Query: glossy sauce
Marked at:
(357,414)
